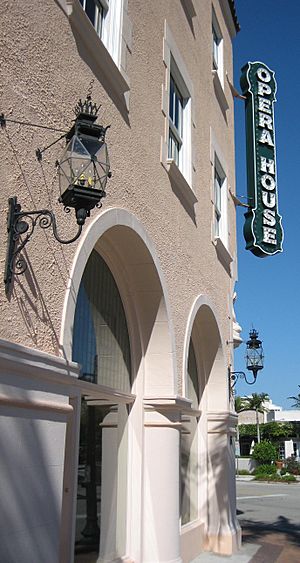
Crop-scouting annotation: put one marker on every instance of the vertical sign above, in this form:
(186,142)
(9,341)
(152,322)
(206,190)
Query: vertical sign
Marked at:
(263,229)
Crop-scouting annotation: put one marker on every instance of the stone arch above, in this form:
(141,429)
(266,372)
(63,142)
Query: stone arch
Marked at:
(215,474)
(130,254)
(203,328)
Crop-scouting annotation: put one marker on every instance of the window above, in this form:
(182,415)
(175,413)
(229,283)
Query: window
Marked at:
(96,11)
(104,28)
(220,203)
(175,121)
(179,122)
(101,345)
(176,153)
(217,49)
(218,189)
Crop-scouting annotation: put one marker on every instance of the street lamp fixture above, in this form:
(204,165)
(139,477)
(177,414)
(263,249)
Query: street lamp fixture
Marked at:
(254,360)
(83,171)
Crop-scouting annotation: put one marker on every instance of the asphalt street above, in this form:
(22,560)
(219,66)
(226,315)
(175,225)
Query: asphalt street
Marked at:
(269,514)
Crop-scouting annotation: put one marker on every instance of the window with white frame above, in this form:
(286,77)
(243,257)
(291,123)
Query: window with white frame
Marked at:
(220,203)
(175,121)
(107,17)
(179,121)
(217,48)
(96,11)
(177,95)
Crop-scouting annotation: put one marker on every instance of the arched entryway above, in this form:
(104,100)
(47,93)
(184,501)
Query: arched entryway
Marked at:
(117,325)
(207,468)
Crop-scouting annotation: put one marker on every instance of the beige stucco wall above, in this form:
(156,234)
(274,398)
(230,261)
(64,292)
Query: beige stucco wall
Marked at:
(41,79)
(45,67)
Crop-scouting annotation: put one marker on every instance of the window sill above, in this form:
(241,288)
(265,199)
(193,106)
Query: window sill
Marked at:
(222,253)
(99,59)
(180,183)
(219,90)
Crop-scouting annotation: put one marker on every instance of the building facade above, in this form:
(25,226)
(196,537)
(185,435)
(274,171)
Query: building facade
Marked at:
(117,425)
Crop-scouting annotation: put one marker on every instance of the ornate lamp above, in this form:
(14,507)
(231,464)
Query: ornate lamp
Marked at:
(254,360)
(83,172)
(84,167)
(254,354)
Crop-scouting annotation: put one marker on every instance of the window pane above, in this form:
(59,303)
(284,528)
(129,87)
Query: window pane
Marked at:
(216,42)
(101,341)
(90,10)
(218,193)
(174,147)
(99,19)
(171,100)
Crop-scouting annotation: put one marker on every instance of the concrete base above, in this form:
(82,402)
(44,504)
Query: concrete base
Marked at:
(224,544)
(191,541)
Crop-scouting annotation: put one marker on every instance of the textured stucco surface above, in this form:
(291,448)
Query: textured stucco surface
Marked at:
(42,77)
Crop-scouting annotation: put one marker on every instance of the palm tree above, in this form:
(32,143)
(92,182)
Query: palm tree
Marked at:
(256,403)
(296,404)
(239,404)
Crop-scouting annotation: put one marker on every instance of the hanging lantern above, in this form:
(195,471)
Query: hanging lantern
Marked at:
(84,167)
(254,354)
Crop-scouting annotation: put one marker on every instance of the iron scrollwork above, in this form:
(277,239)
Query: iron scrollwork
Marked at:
(235,375)
(21,223)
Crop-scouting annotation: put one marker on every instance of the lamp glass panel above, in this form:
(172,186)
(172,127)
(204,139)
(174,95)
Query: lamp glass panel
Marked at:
(75,166)
(254,358)
(102,164)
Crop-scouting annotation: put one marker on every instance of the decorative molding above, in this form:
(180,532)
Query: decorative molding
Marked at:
(219,90)
(221,422)
(180,182)
(172,402)
(223,253)
(28,362)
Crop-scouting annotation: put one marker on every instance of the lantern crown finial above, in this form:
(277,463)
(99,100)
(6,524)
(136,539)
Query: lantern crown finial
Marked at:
(86,108)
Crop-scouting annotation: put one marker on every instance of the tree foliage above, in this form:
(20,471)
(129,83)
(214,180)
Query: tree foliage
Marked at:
(271,430)
(296,404)
(255,402)
(264,452)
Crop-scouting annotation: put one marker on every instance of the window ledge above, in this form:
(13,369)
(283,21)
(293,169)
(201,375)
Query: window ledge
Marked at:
(219,90)
(102,61)
(181,184)
(222,252)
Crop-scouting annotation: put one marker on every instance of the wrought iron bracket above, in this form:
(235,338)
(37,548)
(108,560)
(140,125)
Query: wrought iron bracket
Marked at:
(235,375)
(20,228)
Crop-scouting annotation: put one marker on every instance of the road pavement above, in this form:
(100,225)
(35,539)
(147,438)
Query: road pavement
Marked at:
(269,514)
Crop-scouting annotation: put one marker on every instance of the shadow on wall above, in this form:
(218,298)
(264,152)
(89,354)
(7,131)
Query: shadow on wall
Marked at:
(32,451)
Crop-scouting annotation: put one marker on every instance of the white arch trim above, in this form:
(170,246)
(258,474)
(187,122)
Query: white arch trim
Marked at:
(102,223)
(199,302)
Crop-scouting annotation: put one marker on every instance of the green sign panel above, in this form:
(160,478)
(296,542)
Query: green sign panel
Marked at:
(262,230)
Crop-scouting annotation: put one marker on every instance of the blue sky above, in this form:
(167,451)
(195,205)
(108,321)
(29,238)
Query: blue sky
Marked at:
(268,288)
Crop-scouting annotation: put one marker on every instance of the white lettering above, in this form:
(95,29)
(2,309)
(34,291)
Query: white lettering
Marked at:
(266,138)
(269,217)
(269,199)
(263,74)
(265,121)
(267,165)
(263,89)
(269,235)
(264,105)
(268,182)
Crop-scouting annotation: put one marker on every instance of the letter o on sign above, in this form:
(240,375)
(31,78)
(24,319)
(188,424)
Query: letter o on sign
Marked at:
(264,75)
(268,182)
